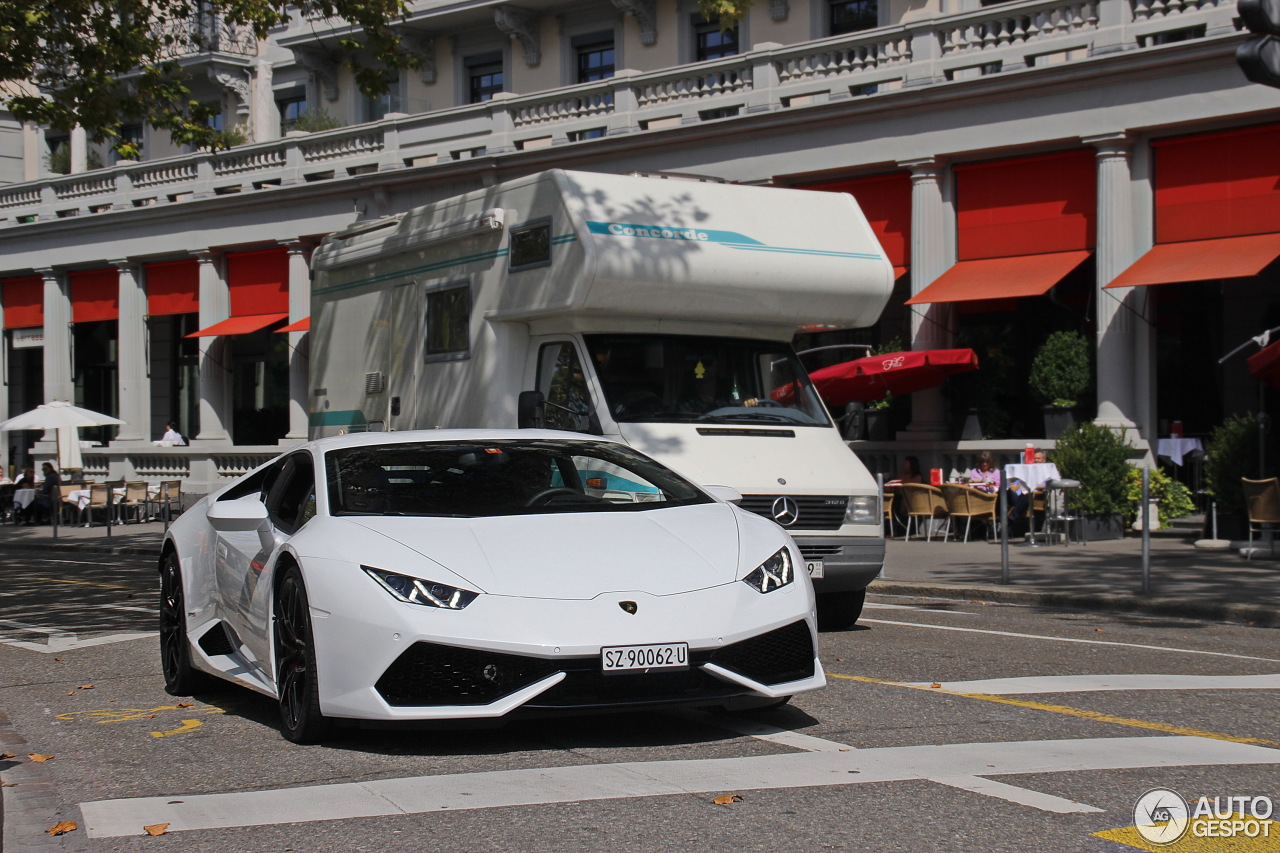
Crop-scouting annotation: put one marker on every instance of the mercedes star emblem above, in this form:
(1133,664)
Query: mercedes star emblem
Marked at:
(786,511)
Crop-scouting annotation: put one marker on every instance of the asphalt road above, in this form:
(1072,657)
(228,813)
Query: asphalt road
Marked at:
(948,726)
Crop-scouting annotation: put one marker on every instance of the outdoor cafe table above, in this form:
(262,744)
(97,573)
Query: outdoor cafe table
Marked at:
(1035,475)
(1175,449)
(24,497)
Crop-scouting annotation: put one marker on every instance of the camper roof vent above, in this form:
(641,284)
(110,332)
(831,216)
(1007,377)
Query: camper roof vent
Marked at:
(373,382)
(680,176)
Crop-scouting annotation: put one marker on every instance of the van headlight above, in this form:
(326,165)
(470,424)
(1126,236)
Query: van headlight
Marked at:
(775,572)
(862,510)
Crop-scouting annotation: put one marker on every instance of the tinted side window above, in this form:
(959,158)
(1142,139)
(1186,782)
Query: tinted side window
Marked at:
(293,500)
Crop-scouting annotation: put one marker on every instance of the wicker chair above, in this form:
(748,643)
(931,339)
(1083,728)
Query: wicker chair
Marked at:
(889,520)
(1262,499)
(100,498)
(136,499)
(969,503)
(924,504)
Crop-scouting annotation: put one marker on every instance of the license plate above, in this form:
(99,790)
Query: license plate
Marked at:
(815,567)
(660,656)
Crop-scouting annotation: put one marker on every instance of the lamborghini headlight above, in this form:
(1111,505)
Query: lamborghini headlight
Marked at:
(861,509)
(775,572)
(418,591)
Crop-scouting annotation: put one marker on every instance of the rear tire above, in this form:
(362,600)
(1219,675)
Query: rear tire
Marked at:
(839,611)
(180,677)
(299,693)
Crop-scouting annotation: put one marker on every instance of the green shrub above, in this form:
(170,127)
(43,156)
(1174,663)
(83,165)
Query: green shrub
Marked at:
(1099,458)
(1060,369)
(1230,454)
(1175,498)
(316,120)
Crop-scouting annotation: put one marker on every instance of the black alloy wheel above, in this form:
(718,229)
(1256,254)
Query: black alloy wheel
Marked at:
(180,678)
(299,694)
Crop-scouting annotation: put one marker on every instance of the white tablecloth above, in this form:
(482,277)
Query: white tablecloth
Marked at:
(24,497)
(1178,448)
(1033,475)
(80,497)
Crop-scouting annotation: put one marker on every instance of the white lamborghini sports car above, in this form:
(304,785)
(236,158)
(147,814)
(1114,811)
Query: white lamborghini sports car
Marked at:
(463,574)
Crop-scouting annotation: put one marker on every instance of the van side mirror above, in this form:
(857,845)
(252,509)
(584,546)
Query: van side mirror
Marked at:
(531,410)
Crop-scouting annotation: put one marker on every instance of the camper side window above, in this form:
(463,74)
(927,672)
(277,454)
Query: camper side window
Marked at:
(448,323)
(561,380)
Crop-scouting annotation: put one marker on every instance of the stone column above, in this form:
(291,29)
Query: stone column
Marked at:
(58,382)
(932,254)
(1118,312)
(214,359)
(131,361)
(299,307)
(79,150)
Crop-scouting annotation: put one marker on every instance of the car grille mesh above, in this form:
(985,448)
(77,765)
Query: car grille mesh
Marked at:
(782,655)
(431,674)
(815,512)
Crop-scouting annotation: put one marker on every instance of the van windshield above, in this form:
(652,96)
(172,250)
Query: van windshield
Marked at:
(678,378)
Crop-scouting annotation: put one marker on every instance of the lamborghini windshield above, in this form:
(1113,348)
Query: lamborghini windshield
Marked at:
(709,380)
(500,478)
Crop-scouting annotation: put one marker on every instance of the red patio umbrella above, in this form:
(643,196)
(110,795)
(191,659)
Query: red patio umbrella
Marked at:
(1264,365)
(871,377)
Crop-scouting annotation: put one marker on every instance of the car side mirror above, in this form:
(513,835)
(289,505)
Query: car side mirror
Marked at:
(240,516)
(531,410)
(725,493)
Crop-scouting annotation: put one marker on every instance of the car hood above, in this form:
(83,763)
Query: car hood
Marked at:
(578,555)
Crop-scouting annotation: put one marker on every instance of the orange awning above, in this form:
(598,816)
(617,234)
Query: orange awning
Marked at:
(1000,278)
(239,325)
(303,325)
(1202,260)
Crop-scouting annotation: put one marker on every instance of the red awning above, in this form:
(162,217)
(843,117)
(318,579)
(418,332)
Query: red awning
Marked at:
(871,377)
(239,325)
(1202,260)
(1000,278)
(1264,365)
(303,325)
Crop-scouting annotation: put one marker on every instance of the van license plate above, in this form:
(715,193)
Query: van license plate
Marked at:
(629,658)
(815,568)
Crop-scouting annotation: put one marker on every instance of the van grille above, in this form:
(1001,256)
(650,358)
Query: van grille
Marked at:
(815,512)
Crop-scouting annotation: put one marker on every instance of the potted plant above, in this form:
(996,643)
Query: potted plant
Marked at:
(877,415)
(1172,499)
(1098,458)
(1231,454)
(1059,375)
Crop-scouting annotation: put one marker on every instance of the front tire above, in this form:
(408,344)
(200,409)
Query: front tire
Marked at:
(180,678)
(299,693)
(838,611)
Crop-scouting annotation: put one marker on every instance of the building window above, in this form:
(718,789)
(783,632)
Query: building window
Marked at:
(851,16)
(484,77)
(595,61)
(291,109)
(710,42)
(448,334)
(376,107)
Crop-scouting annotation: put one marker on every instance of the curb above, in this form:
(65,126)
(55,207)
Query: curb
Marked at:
(91,548)
(1246,614)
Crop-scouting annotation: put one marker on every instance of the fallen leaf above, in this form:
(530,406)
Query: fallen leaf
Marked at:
(61,828)
(156,828)
(8,784)
(727,799)
(151,716)
(935,684)
(59,660)
(1099,630)
(86,686)
(183,705)
(71,693)
(38,758)
(4,755)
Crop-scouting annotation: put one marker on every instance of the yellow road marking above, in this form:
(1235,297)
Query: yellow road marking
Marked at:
(187,725)
(120,715)
(85,583)
(1096,716)
(1195,841)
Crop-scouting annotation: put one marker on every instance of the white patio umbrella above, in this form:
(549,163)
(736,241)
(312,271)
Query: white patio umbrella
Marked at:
(60,415)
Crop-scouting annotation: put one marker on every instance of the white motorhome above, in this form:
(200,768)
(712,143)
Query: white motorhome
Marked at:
(656,311)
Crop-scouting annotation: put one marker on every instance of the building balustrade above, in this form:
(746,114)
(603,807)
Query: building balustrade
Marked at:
(201,470)
(996,40)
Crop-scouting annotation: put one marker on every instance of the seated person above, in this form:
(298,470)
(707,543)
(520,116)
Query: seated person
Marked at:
(365,490)
(47,498)
(985,476)
(910,472)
